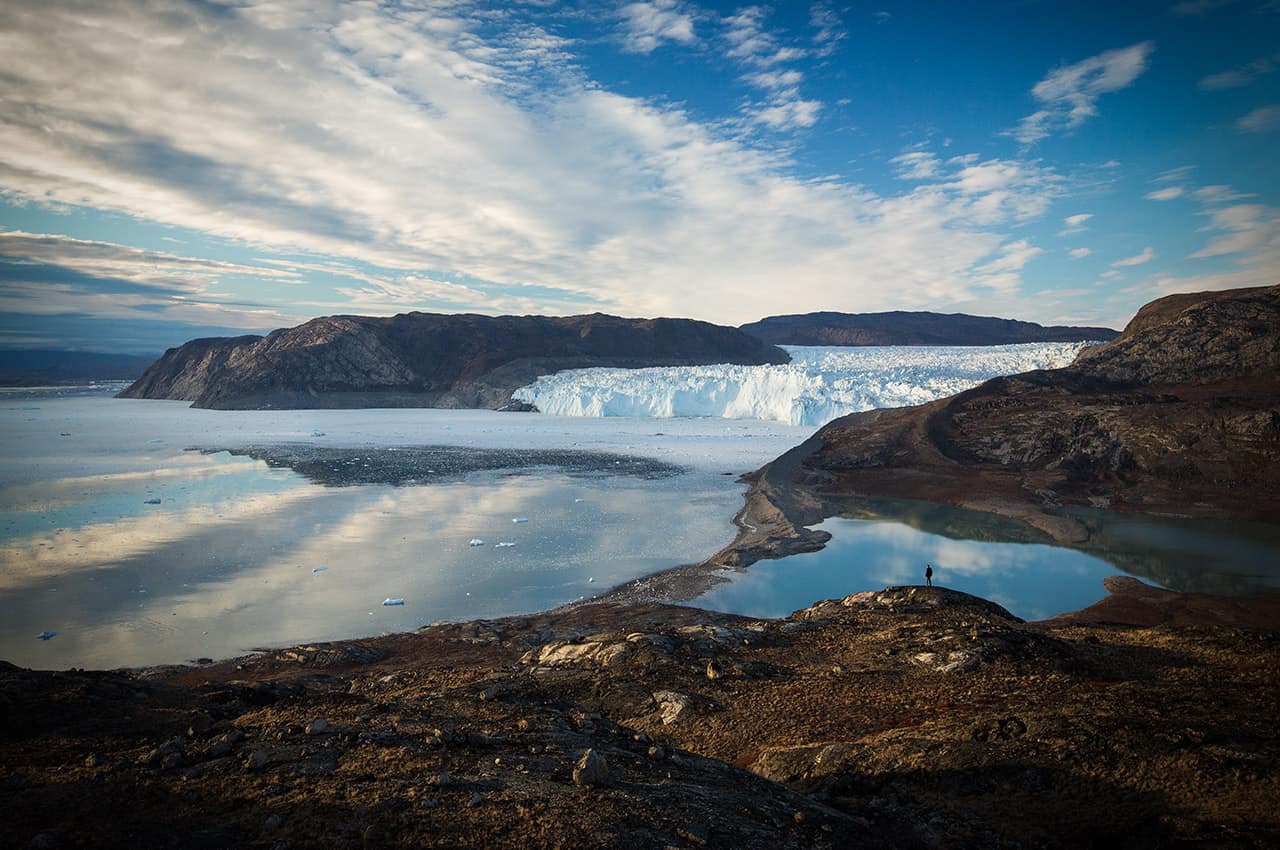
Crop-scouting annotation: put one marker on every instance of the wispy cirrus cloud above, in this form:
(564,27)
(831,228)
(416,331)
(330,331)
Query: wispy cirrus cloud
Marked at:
(647,26)
(1168,193)
(1069,95)
(1241,75)
(1147,255)
(1264,119)
(750,43)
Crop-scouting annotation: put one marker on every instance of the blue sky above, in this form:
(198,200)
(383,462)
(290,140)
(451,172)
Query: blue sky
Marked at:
(175,169)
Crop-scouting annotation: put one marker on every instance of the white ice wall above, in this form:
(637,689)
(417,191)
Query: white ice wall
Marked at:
(820,383)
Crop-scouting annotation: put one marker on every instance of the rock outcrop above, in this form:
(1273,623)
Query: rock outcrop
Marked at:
(427,360)
(903,328)
(908,717)
(1179,416)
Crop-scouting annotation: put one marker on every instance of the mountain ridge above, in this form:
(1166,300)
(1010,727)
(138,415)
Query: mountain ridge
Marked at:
(900,327)
(427,359)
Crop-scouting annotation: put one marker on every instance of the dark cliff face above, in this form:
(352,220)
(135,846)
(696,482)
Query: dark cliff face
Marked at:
(428,360)
(901,328)
(1179,415)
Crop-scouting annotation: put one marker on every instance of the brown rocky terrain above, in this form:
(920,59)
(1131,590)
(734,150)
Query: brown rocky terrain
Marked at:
(910,717)
(1179,416)
(908,328)
(427,359)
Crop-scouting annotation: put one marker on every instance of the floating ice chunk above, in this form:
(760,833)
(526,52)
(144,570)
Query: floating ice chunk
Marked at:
(317,433)
(503,545)
(156,440)
(389,601)
(575,501)
(590,579)
(521,519)
(151,502)
(46,635)
(476,541)
(318,569)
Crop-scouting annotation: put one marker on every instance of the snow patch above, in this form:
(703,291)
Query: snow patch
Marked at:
(820,383)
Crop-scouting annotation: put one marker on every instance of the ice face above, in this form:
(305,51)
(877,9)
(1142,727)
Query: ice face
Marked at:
(818,385)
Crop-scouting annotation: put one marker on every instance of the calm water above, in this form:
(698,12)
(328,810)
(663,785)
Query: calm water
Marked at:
(238,555)
(1032,580)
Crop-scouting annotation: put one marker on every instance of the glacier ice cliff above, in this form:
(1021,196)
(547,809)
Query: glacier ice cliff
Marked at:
(819,384)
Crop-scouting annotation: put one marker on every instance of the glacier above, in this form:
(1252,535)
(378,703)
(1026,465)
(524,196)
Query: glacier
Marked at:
(820,383)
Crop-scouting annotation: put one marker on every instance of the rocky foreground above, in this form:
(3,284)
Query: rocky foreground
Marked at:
(910,717)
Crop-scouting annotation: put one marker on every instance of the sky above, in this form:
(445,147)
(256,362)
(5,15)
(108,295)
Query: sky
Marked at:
(172,169)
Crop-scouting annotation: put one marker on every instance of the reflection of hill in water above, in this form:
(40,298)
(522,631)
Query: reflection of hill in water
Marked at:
(1199,556)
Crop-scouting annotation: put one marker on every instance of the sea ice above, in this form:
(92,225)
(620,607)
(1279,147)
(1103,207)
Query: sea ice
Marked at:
(503,545)
(389,601)
(521,519)
(818,385)
(46,635)
(476,541)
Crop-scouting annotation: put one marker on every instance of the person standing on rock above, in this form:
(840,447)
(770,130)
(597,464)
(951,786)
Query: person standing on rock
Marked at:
(928,575)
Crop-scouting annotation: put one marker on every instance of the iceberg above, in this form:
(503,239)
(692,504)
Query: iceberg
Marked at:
(390,601)
(820,383)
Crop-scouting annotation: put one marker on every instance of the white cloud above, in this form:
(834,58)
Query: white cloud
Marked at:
(1219,194)
(1242,75)
(1242,228)
(1166,194)
(1175,175)
(1079,253)
(1069,94)
(1264,119)
(408,142)
(1138,259)
(646,26)
(829,30)
(1076,222)
(917,165)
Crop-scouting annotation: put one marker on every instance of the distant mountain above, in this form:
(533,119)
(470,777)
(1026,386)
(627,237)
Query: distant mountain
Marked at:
(428,359)
(28,368)
(902,328)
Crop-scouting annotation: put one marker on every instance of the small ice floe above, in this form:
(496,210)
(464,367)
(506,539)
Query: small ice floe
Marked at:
(476,541)
(590,579)
(156,440)
(521,519)
(578,500)
(318,569)
(389,601)
(46,635)
(503,545)
(151,502)
(317,433)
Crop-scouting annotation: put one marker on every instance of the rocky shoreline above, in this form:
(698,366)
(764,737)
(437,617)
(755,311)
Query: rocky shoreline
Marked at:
(909,717)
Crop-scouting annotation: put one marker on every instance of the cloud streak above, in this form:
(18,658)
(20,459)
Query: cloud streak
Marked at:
(1069,95)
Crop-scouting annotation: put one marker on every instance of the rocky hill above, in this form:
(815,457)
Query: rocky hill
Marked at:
(903,328)
(905,718)
(1178,416)
(427,360)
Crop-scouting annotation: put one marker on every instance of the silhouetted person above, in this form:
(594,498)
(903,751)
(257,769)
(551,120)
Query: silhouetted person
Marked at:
(928,575)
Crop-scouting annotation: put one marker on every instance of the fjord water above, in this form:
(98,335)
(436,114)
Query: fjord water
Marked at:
(1033,580)
(135,550)
(129,530)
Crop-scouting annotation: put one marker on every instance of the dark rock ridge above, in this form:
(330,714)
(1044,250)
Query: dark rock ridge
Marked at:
(1178,416)
(428,359)
(903,328)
